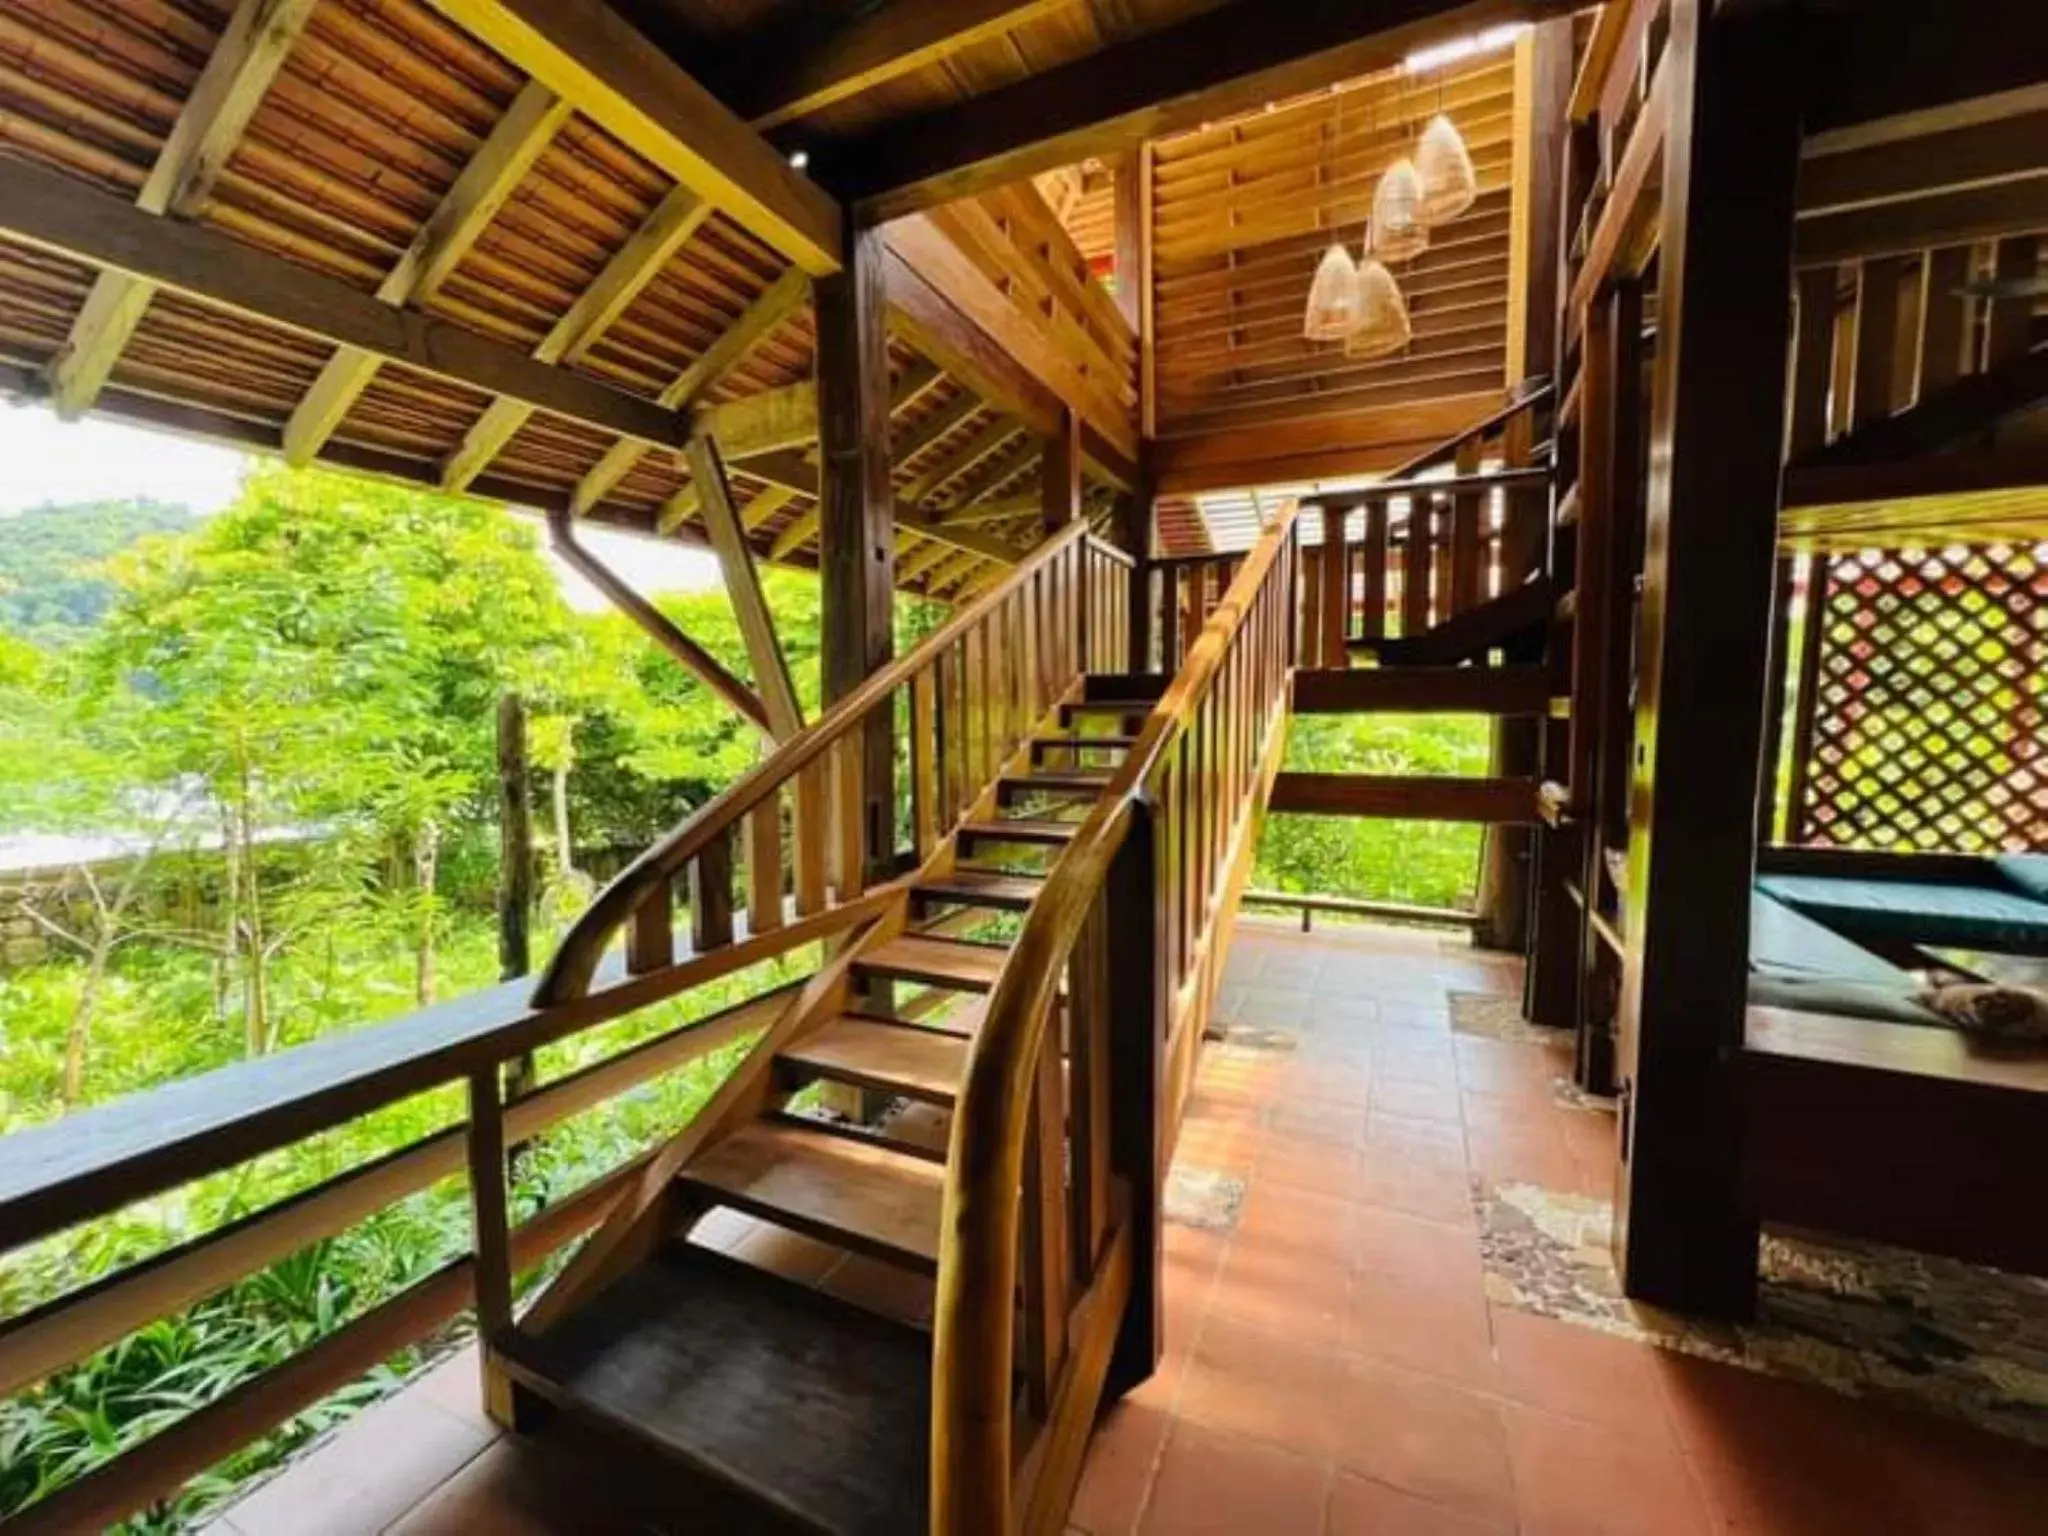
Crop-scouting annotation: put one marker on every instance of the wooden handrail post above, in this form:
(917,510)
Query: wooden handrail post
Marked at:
(492,1226)
(1138,924)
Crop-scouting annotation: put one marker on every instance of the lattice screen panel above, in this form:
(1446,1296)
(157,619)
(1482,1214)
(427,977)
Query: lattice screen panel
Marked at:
(1930,707)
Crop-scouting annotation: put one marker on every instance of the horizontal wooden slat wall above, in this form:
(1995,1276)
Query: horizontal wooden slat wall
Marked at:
(1242,213)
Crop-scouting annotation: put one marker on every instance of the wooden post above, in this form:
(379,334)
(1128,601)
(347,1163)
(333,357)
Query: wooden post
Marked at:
(1543,88)
(743,587)
(1684,1237)
(1134,537)
(1333,620)
(1059,474)
(856,537)
(492,1228)
(1141,918)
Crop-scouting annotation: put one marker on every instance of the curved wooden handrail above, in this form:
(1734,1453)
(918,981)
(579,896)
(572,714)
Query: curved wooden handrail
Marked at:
(973,1321)
(574,963)
(1529,395)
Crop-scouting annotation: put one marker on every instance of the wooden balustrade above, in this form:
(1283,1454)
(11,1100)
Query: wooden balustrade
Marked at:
(1398,557)
(771,866)
(972,691)
(1151,879)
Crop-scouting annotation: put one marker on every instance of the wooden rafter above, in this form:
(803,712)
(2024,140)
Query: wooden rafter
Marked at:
(759,321)
(53,211)
(1231,59)
(986,443)
(877,45)
(244,61)
(674,219)
(443,240)
(743,586)
(590,55)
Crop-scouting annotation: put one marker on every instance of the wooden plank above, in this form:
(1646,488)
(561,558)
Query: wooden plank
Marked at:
(1059,475)
(871,47)
(437,248)
(1513,690)
(886,1057)
(1317,446)
(856,539)
(1949,218)
(763,831)
(1944,321)
(1685,1237)
(935,257)
(245,59)
(1411,798)
(590,55)
(1333,601)
(1373,582)
(1874,340)
(1945,419)
(829,1187)
(1231,59)
(711,895)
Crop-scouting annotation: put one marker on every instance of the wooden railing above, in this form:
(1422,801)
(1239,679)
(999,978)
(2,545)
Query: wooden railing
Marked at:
(1397,557)
(972,691)
(1119,960)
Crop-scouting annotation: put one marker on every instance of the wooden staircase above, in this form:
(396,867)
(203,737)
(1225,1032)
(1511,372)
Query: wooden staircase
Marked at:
(885,1278)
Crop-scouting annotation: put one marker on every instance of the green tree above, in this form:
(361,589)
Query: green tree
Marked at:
(326,655)
(52,587)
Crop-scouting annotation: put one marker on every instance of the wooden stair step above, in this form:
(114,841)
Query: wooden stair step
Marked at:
(1124,708)
(937,962)
(904,1059)
(1149,686)
(781,1407)
(1507,690)
(1045,746)
(1416,797)
(1022,829)
(828,1187)
(1087,782)
(981,888)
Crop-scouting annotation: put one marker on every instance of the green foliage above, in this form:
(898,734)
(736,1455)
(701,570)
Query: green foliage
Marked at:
(51,586)
(1420,863)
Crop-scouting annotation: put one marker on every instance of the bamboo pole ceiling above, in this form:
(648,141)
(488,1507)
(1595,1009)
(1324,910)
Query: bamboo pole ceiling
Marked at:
(566,265)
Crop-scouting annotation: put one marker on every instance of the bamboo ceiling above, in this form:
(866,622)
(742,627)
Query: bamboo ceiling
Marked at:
(359,141)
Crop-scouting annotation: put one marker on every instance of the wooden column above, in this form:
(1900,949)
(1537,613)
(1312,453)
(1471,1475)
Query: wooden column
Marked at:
(1334,610)
(1059,473)
(856,513)
(1543,88)
(1684,1237)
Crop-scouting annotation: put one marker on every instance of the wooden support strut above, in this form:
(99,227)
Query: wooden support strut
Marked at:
(706,667)
(743,585)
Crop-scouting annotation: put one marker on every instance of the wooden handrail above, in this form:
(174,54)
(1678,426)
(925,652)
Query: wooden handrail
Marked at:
(569,971)
(973,1346)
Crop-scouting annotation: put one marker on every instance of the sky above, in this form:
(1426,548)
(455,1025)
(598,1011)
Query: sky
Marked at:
(43,460)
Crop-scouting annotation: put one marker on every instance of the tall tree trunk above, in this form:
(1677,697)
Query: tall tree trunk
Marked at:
(565,849)
(255,956)
(515,841)
(426,858)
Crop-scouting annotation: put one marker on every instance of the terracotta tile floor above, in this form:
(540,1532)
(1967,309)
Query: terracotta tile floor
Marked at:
(1333,1364)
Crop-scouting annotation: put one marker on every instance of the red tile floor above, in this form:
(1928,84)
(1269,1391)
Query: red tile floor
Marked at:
(1333,1363)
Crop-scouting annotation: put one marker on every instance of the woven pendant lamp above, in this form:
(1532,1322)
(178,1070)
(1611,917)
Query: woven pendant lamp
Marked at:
(1443,171)
(1332,297)
(1382,313)
(1397,228)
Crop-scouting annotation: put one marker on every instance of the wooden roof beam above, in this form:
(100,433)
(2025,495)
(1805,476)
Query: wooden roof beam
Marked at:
(247,57)
(1233,59)
(632,267)
(590,55)
(436,250)
(876,45)
(53,211)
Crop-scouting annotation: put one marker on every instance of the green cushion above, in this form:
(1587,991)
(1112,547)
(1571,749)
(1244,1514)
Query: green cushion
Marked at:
(1791,947)
(2026,873)
(1916,912)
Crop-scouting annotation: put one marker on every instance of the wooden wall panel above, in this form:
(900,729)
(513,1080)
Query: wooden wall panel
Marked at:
(1242,214)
